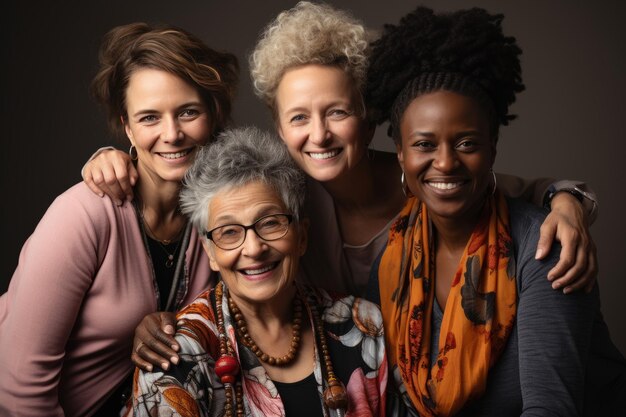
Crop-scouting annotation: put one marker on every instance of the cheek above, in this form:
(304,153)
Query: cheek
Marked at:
(224,261)
(200,133)
(415,163)
(294,138)
(353,134)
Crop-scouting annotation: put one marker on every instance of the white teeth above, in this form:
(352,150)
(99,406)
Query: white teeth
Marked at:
(324,155)
(174,155)
(258,271)
(445,185)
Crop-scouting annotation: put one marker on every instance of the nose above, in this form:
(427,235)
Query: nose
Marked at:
(445,159)
(171,129)
(319,134)
(253,245)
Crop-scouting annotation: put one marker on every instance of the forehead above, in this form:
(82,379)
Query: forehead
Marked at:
(320,81)
(445,108)
(147,86)
(244,204)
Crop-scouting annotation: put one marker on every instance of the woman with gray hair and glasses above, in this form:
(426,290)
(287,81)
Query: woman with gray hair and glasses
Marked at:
(259,343)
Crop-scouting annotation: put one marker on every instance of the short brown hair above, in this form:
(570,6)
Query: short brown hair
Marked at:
(127,48)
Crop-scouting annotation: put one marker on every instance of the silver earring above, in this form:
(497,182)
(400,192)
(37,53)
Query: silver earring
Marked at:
(133,153)
(495,182)
(405,188)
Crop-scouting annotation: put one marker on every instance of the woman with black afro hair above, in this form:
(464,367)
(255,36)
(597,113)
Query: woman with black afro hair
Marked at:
(472,324)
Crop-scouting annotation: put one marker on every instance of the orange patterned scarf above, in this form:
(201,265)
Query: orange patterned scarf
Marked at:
(479,314)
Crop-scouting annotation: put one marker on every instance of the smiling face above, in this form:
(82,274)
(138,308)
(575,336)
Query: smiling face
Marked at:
(446,153)
(258,271)
(317,110)
(167,121)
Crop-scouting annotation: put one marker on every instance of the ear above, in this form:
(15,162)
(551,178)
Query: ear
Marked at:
(494,152)
(400,155)
(211,254)
(303,235)
(279,130)
(129,133)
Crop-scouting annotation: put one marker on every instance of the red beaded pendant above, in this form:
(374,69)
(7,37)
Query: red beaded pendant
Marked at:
(226,368)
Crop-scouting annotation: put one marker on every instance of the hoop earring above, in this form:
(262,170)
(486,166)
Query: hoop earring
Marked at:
(133,153)
(495,182)
(405,188)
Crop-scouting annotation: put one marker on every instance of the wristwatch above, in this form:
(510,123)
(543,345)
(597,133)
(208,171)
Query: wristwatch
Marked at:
(587,199)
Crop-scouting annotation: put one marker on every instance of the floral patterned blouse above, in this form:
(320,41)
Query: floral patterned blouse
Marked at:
(354,333)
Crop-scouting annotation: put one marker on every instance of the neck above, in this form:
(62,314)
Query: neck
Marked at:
(368,185)
(354,188)
(268,315)
(454,233)
(159,209)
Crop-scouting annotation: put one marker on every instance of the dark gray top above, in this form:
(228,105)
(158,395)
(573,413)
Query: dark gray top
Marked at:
(557,337)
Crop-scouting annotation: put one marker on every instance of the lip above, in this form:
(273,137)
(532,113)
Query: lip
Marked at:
(176,156)
(446,186)
(258,272)
(325,154)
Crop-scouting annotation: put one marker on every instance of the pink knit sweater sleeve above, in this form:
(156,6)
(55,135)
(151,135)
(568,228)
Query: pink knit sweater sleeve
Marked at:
(55,271)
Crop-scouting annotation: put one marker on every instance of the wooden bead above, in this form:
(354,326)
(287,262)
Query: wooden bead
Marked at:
(246,339)
(335,396)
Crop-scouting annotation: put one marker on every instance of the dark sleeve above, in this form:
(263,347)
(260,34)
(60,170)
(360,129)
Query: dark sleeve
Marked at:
(372,293)
(554,330)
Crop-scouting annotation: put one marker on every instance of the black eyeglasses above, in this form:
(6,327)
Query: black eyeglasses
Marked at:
(231,236)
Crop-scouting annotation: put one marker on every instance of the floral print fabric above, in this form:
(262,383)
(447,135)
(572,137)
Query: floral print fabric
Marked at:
(355,341)
(478,317)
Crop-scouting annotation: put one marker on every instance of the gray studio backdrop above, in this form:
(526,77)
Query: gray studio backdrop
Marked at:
(571,118)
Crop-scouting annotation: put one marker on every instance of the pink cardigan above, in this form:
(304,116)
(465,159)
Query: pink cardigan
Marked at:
(83,283)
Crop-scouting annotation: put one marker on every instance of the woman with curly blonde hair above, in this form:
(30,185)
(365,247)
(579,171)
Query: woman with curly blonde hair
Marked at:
(309,67)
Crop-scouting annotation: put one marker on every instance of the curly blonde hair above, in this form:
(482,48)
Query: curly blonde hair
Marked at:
(308,33)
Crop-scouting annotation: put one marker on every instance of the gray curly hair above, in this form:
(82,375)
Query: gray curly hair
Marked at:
(238,157)
(308,33)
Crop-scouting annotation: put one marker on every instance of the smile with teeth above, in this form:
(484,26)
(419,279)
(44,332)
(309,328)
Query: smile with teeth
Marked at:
(175,155)
(324,155)
(259,271)
(445,185)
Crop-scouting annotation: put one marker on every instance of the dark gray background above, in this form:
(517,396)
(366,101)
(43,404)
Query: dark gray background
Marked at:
(571,118)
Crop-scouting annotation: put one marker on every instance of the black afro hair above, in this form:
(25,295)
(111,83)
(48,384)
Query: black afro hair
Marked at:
(451,51)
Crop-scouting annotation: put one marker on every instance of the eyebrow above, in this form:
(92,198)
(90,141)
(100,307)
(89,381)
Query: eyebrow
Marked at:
(304,109)
(182,106)
(229,219)
(431,135)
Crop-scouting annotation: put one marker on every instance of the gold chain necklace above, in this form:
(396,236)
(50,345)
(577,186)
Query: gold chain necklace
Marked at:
(164,242)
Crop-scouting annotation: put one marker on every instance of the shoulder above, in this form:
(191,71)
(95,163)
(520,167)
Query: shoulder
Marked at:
(196,326)
(200,308)
(79,200)
(525,217)
(349,310)
(78,216)
(525,222)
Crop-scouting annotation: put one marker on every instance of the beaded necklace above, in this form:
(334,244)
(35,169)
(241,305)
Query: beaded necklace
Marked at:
(227,367)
